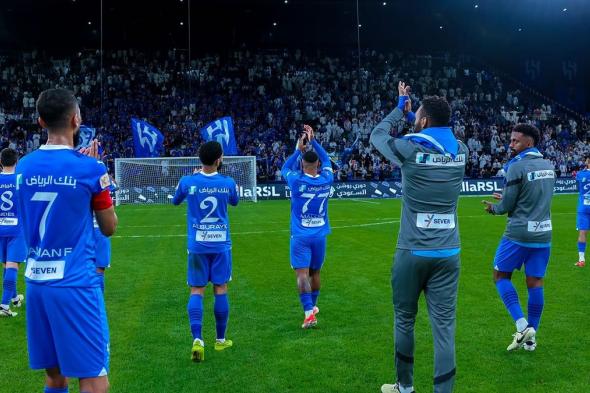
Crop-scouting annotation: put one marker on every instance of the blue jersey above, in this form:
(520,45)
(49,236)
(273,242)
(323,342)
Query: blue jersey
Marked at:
(309,196)
(583,179)
(10,224)
(55,189)
(207,221)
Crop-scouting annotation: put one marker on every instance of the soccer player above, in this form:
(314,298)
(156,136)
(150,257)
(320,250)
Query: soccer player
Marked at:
(310,191)
(13,250)
(58,190)
(583,218)
(427,258)
(526,198)
(208,194)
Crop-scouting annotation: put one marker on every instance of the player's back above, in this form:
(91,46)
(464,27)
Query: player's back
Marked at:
(530,220)
(208,197)
(583,179)
(10,224)
(309,204)
(55,189)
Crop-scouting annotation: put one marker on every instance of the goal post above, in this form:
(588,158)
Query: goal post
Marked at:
(154,180)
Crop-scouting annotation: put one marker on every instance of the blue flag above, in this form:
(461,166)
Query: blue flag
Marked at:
(86,136)
(148,141)
(222,131)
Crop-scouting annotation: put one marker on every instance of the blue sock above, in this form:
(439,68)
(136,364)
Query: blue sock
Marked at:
(195,315)
(101,280)
(221,310)
(55,390)
(9,285)
(536,303)
(314,297)
(581,247)
(306,301)
(510,298)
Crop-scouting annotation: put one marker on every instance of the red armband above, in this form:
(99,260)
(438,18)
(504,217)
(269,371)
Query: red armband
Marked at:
(102,200)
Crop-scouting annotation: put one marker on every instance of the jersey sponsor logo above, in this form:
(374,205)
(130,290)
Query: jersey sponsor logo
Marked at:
(313,222)
(45,270)
(435,221)
(44,181)
(539,226)
(211,236)
(105,181)
(440,159)
(540,175)
(8,221)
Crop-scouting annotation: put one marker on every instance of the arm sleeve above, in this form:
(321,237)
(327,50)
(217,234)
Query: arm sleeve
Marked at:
(512,188)
(290,174)
(383,142)
(180,193)
(411,117)
(324,158)
(234,198)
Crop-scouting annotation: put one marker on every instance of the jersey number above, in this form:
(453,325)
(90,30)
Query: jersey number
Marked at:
(209,203)
(309,196)
(7,203)
(44,197)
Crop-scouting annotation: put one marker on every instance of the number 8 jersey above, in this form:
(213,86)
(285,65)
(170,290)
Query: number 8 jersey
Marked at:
(207,221)
(56,190)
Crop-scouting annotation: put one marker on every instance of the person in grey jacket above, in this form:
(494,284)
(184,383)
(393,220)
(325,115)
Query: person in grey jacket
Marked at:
(526,198)
(427,259)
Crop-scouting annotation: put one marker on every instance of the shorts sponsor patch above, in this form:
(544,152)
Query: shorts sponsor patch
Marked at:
(105,181)
(540,175)
(539,226)
(440,159)
(211,236)
(45,270)
(435,221)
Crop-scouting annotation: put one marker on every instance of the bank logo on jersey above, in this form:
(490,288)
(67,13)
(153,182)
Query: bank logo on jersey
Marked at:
(540,175)
(440,159)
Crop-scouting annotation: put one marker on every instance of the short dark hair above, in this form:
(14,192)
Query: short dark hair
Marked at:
(55,106)
(8,157)
(437,110)
(209,152)
(310,157)
(528,130)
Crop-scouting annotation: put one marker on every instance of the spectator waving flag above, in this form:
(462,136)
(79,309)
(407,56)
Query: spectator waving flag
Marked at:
(222,131)
(86,136)
(147,139)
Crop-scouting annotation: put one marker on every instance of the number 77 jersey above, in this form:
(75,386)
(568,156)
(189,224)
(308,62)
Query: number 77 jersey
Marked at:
(208,196)
(309,203)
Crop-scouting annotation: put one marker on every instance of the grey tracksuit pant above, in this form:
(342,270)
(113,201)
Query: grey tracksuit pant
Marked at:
(438,278)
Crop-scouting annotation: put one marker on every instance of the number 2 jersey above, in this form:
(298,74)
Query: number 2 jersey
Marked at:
(58,189)
(208,196)
(583,179)
(10,225)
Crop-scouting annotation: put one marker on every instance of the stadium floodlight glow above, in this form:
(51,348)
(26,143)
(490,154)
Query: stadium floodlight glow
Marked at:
(476,6)
(564,10)
(182,23)
(384,3)
(274,24)
(89,22)
(440,27)
(520,29)
(360,25)
(286,1)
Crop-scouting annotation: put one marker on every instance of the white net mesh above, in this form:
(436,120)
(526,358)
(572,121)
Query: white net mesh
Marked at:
(153,180)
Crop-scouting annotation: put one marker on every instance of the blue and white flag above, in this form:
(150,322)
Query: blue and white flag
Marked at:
(222,131)
(148,141)
(86,136)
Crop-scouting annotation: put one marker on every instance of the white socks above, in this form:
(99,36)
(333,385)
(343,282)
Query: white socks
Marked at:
(521,324)
(402,389)
(581,257)
(308,313)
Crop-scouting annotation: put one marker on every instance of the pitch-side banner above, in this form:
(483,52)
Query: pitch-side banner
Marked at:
(146,194)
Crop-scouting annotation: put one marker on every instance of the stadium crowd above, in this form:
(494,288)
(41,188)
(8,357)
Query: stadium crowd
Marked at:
(271,94)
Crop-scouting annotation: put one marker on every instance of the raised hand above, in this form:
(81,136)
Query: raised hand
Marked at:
(308,131)
(402,89)
(92,150)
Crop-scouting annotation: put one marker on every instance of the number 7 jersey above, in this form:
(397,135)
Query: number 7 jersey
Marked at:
(309,202)
(55,189)
(208,196)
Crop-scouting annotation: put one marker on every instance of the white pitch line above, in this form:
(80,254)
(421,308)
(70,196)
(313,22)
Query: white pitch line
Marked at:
(363,201)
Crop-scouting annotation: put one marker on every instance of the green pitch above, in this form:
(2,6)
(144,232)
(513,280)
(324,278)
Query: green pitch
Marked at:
(352,348)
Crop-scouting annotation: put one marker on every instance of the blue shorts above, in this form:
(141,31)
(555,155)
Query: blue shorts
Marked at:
(511,256)
(67,328)
(204,268)
(13,249)
(103,249)
(308,252)
(583,221)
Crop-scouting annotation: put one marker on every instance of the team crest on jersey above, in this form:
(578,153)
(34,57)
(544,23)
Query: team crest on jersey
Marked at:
(192,190)
(302,188)
(440,159)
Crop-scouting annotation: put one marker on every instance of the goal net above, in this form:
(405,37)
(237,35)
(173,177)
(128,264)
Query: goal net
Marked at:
(154,180)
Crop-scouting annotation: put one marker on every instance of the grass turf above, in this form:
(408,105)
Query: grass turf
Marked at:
(352,348)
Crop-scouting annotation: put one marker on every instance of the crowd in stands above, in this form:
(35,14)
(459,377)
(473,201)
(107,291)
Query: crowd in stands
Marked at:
(270,95)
